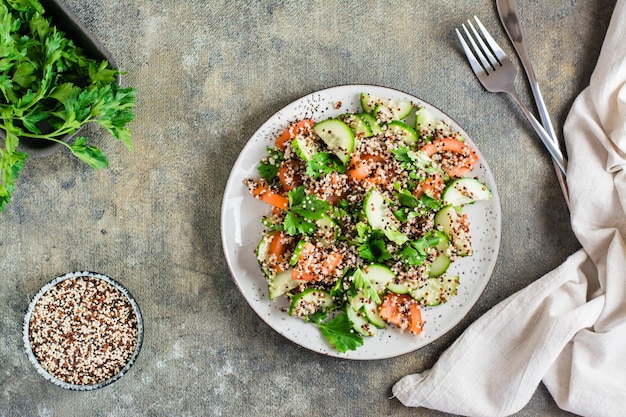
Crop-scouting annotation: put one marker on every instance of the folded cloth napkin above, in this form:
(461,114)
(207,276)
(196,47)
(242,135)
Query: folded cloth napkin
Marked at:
(568,328)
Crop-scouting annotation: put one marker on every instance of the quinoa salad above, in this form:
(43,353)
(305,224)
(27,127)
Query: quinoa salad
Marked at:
(366,217)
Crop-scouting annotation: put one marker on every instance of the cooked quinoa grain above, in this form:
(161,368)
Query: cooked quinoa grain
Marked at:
(83,330)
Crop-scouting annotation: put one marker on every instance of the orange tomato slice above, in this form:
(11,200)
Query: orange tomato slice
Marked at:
(292,131)
(265,194)
(458,159)
(403,311)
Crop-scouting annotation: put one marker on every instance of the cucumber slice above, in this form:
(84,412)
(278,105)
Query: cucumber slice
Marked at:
(403,131)
(378,276)
(372,123)
(401,287)
(385,109)
(436,291)
(380,217)
(439,265)
(426,124)
(372,315)
(337,136)
(359,126)
(448,221)
(377,213)
(305,147)
(361,304)
(465,191)
(296,252)
(282,283)
(310,301)
(369,102)
(261,252)
(326,230)
(360,323)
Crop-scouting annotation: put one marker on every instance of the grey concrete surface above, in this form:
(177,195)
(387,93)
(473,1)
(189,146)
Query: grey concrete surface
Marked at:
(208,74)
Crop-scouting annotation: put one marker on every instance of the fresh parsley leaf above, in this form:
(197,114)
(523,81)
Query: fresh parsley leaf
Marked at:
(374,248)
(416,251)
(338,331)
(395,236)
(91,155)
(406,199)
(323,163)
(304,210)
(270,165)
(415,162)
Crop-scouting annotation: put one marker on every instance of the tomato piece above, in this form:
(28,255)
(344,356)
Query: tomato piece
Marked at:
(360,167)
(313,265)
(292,131)
(330,263)
(433,186)
(287,176)
(263,192)
(403,311)
(457,158)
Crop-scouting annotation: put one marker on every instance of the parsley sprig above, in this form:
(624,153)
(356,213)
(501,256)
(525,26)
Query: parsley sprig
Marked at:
(49,89)
(338,331)
(303,212)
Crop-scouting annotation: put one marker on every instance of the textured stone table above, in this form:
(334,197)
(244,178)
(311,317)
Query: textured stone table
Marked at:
(208,74)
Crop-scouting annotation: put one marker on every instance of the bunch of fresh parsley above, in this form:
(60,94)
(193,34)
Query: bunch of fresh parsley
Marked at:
(50,89)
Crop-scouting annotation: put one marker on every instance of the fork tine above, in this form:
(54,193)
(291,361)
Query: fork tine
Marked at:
(476,66)
(487,52)
(478,52)
(493,45)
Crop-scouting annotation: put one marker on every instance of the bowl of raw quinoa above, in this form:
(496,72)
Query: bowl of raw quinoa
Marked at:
(83,331)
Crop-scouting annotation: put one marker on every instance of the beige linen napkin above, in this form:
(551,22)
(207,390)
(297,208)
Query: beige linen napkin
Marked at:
(567,329)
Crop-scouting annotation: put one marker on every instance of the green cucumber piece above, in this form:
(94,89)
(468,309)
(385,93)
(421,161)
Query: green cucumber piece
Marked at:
(296,252)
(364,305)
(359,126)
(337,136)
(261,253)
(448,221)
(403,131)
(360,323)
(436,291)
(326,230)
(372,123)
(439,265)
(401,287)
(465,191)
(385,109)
(282,283)
(426,124)
(305,147)
(378,276)
(380,217)
(369,102)
(310,301)
(377,212)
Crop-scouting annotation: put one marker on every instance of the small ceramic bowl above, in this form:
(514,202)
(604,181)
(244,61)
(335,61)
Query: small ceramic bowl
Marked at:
(64,20)
(83,331)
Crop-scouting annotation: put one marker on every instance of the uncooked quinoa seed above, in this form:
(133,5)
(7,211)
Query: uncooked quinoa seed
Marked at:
(83,330)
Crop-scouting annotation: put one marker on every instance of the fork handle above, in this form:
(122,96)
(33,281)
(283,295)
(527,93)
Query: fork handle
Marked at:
(545,137)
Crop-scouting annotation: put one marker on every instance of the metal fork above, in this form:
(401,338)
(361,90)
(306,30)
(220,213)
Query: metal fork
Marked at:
(497,74)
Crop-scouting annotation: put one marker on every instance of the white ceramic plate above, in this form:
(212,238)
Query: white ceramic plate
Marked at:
(242,230)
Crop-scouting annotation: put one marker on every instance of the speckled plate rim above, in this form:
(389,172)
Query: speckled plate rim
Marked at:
(241,230)
(41,370)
